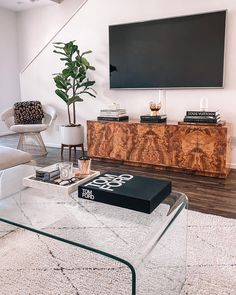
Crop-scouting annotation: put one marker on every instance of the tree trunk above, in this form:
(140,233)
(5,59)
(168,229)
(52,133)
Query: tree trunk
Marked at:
(74,115)
(68,111)
(74,94)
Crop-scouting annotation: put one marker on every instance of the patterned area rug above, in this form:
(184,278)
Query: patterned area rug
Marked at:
(32,264)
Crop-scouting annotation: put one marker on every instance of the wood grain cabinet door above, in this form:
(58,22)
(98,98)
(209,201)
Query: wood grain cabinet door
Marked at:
(212,149)
(106,140)
(201,148)
(147,143)
(183,147)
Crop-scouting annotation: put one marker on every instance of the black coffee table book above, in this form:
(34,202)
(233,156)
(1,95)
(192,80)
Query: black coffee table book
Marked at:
(125,190)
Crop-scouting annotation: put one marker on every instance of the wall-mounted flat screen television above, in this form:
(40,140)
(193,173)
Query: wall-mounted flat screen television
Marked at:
(179,52)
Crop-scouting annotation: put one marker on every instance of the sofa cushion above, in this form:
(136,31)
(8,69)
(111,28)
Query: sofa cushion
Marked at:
(11,157)
(28,128)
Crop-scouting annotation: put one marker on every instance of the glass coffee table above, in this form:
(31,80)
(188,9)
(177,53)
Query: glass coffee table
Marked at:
(151,248)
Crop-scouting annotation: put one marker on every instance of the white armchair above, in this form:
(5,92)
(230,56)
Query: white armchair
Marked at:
(30,139)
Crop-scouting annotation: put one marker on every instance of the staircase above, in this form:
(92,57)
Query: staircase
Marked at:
(55,35)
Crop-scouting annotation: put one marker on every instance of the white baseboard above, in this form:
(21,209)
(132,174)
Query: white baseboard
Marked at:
(54,145)
(233,165)
(57,145)
(6,133)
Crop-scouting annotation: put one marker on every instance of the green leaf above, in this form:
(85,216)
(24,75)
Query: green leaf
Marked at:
(60,79)
(82,70)
(67,49)
(59,43)
(74,99)
(66,72)
(70,48)
(71,65)
(65,58)
(62,95)
(59,47)
(88,83)
(91,68)
(61,86)
(74,74)
(82,77)
(58,52)
(88,93)
(84,61)
(86,52)
(74,49)
(89,88)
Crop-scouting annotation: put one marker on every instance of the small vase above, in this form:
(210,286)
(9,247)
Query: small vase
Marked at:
(204,104)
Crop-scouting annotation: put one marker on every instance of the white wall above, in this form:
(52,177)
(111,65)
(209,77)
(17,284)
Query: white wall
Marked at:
(37,26)
(90,29)
(9,76)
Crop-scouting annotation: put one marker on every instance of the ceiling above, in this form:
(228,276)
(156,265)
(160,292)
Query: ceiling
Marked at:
(18,5)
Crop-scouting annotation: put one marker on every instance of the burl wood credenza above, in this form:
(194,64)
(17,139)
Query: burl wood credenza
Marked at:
(198,149)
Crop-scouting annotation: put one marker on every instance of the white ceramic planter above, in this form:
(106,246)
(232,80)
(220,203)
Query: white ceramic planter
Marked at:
(72,135)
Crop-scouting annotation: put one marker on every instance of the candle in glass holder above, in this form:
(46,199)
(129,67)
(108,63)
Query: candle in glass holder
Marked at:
(84,164)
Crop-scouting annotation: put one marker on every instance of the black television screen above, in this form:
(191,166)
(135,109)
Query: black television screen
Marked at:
(177,52)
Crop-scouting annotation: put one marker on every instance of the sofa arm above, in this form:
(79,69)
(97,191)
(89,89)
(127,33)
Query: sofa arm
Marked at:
(11,179)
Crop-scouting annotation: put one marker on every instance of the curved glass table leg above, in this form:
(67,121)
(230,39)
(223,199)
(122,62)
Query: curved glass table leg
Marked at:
(163,271)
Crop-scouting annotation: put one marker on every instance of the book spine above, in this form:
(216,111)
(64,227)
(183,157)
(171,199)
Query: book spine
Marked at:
(144,120)
(112,115)
(113,199)
(200,113)
(113,111)
(220,123)
(202,117)
(103,118)
(201,120)
(153,117)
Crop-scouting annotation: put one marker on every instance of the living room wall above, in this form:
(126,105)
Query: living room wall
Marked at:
(9,81)
(90,28)
(35,33)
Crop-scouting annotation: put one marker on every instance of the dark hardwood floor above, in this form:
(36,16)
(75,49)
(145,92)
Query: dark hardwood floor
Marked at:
(206,194)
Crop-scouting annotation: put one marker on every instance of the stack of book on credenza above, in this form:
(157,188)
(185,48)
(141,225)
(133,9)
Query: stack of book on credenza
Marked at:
(113,115)
(202,117)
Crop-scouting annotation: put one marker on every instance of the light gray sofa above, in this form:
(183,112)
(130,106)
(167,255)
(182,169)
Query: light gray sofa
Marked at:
(14,165)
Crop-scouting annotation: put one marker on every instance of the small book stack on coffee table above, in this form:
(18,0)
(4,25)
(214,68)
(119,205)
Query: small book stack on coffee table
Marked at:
(55,186)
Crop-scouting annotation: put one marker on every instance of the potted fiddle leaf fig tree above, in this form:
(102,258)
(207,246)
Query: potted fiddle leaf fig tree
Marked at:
(72,84)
